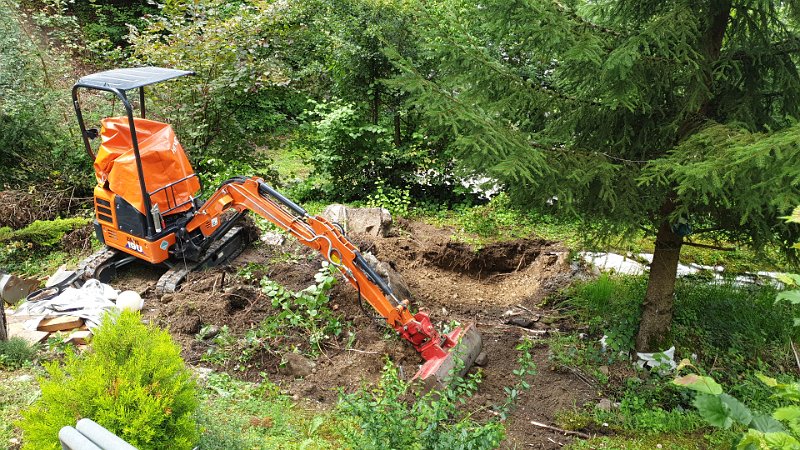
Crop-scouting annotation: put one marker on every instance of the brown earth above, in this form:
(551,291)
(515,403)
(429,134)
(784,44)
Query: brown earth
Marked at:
(489,287)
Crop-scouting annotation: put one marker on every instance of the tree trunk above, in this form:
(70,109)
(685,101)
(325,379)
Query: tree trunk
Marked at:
(3,323)
(657,309)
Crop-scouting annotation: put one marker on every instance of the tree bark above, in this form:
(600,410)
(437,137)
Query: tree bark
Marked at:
(658,303)
(3,323)
(398,139)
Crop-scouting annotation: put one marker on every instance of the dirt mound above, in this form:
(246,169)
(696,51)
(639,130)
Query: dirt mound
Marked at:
(78,240)
(19,209)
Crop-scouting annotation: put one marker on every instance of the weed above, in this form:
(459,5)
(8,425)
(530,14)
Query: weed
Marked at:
(18,390)
(307,310)
(394,416)
(15,352)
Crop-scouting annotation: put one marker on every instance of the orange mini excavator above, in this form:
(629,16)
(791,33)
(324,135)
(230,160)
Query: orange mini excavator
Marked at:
(146,209)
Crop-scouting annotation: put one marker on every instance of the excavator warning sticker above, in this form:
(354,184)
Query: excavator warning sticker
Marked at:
(164,244)
(134,245)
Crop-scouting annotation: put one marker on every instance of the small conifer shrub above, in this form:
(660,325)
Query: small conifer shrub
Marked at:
(132,381)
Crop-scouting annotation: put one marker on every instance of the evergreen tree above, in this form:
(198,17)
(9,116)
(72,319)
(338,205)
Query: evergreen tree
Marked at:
(672,115)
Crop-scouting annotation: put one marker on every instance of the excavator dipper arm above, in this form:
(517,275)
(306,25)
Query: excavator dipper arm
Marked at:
(253,194)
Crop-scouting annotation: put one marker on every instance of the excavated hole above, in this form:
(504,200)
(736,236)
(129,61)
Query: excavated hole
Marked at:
(492,259)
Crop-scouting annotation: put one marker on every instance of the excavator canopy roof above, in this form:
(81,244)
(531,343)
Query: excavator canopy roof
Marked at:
(131,78)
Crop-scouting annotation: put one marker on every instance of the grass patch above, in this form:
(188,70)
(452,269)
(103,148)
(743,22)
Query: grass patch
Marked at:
(18,389)
(728,331)
(663,441)
(236,415)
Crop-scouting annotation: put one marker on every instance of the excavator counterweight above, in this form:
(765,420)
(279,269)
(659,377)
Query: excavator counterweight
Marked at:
(146,208)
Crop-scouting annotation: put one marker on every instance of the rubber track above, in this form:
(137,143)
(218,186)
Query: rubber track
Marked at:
(169,282)
(89,266)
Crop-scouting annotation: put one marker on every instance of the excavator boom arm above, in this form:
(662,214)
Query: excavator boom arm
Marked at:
(317,232)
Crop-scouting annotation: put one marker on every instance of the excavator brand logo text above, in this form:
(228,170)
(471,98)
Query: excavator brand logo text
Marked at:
(133,245)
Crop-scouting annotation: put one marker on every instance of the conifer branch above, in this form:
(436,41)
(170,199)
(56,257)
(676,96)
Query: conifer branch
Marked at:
(711,247)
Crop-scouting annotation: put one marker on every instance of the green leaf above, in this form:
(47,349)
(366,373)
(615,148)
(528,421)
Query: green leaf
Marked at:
(792,297)
(713,410)
(698,383)
(766,424)
(769,381)
(789,279)
(737,410)
(781,441)
(787,413)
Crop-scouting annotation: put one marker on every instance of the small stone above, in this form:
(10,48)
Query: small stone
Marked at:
(203,372)
(604,405)
(272,238)
(520,321)
(24,378)
(482,359)
(211,332)
(298,365)
(603,370)
(166,298)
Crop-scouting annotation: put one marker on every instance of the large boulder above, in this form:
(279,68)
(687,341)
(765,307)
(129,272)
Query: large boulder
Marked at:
(392,277)
(371,221)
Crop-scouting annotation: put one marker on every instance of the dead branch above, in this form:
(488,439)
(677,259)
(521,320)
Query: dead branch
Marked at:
(566,432)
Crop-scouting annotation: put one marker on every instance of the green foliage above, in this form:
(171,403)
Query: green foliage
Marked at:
(18,390)
(232,48)
(778,430)
(34,144)
(394,416)
(43,233)
(306,310)
(132,381)
(349,152)
(396,200)
(15,352)
(236,415)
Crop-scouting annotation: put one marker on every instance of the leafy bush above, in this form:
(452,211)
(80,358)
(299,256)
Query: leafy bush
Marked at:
(397,415)
(132,381)
(393,416)
(778,430)
(15,352)
(396,200)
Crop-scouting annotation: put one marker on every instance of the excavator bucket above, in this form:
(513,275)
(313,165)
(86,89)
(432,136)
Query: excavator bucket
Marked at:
(439,371)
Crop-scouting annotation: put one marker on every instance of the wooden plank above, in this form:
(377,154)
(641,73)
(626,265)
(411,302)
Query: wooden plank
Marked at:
(34,337)
(79,337)
(60,323)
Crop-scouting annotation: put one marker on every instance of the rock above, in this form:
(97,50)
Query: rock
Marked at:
(371,221)
(481,360)
(24,378)
(603,370)
(604,405)
(166,298)
(521,321)
(203,372)
(392,277)
(272,238)
(298,365)
(211,332)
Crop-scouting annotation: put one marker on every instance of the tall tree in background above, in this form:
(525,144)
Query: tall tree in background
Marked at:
(670,115)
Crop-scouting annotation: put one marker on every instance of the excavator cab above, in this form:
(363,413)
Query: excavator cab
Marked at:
(146,208)
(145,183)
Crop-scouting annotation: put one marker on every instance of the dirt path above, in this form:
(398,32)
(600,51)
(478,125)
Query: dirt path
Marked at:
(489,286)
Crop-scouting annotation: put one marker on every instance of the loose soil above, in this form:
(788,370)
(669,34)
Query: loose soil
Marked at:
(488,286)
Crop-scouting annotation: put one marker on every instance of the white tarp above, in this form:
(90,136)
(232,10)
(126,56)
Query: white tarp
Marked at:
(88,302)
